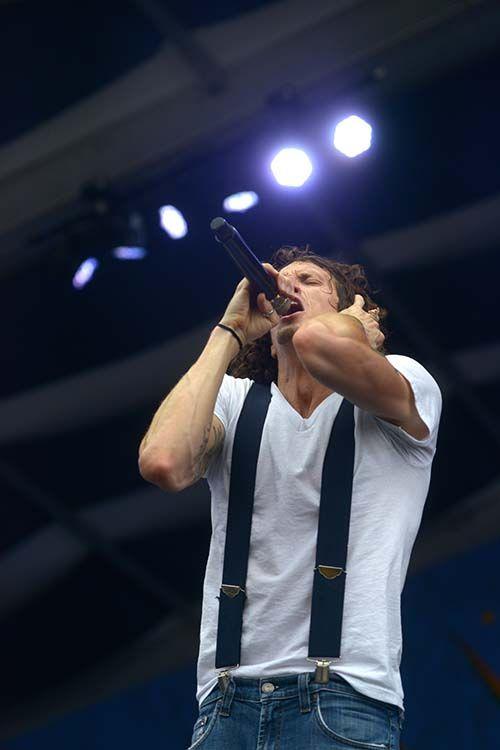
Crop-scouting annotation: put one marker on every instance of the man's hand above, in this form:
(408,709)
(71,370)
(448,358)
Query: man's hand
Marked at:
(369,321)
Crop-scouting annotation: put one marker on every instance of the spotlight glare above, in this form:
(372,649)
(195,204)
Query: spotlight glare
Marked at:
(291,167)
(240,201)
(352,136)
(173,222)
(125,252)
(85,272)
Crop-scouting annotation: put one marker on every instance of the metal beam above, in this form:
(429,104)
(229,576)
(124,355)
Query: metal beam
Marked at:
(93,540)
(148,121)
(36,562)
(464,231)
(205,66)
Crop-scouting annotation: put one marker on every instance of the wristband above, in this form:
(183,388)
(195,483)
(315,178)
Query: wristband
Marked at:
(226,328)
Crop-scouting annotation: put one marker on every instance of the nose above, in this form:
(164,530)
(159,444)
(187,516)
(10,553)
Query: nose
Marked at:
(291,286)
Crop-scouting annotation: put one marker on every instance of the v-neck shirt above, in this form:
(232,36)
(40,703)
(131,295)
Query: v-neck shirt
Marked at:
(294,418)
(392,472)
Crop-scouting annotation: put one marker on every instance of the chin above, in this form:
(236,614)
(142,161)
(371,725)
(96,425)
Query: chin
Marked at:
(287,331)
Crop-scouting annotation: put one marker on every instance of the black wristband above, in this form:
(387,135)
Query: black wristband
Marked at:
(226,328)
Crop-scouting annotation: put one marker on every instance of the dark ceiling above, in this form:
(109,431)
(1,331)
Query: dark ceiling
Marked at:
(436,149)
(56,52)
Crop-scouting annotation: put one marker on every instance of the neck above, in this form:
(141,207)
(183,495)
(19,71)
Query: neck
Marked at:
(299,388)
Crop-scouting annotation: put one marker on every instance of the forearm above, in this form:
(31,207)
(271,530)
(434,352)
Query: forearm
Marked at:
(361,374)
(179,432)
(338,324)
(324,346)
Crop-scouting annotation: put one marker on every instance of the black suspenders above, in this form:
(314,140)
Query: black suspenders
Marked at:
(332,539)
(239,522)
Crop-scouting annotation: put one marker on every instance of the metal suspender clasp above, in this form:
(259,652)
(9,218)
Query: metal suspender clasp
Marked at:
(231,590)
(322,673)
(224,677)
(329,571)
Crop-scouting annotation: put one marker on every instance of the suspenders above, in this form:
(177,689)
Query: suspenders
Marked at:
(239,521)
(332,539)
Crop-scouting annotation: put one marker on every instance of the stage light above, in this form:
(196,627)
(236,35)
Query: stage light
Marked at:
(129,253)
(291,167)
(85,272)
(352,136)
(173,222)
(129,237)
(240,201)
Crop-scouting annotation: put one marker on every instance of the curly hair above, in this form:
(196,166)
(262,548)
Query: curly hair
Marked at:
(255,361)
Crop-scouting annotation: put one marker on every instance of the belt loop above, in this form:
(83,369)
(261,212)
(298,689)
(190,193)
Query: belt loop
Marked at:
(304,697)
(401,717)
(228,697)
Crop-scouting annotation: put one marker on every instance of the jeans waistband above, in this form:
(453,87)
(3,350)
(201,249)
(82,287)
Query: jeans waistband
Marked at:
(282,686)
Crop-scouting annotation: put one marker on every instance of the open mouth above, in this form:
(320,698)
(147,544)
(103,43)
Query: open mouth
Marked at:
(295,308)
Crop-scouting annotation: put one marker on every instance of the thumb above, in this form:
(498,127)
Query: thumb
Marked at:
(359,300)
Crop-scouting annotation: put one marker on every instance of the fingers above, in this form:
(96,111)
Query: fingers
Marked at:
(265,306)
(285,286)
(270,269)
(359,300)
(379,340)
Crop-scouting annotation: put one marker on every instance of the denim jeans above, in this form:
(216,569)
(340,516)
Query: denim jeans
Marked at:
(290,712)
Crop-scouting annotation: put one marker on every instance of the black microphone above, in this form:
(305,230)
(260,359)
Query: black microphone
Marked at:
(249,264)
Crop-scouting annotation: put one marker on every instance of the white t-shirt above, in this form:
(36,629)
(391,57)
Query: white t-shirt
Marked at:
(391,479)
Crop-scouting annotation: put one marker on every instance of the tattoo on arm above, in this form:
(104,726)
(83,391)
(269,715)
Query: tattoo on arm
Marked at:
(213,438)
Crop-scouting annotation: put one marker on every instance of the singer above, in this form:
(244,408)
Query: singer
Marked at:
(317,446)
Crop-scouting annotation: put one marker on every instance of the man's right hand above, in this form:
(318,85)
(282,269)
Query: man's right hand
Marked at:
(245,317)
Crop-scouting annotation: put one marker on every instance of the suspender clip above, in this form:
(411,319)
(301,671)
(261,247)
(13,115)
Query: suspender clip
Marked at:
(225,677)
(322,673)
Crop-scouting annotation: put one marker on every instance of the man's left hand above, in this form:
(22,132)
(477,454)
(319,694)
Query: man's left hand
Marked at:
(368,319)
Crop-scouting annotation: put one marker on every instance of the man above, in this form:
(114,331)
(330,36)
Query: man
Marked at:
(326,356)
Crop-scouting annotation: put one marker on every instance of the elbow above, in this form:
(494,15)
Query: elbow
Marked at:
(157,471)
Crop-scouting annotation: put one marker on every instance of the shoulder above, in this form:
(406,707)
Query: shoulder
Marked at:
(428,403)
(236,386)
(414,370)
(230,398)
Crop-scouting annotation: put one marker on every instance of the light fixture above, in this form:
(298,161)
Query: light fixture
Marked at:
(291,167)
(129,252)
(352,136)
(173,222)
(239,202)
(85,272)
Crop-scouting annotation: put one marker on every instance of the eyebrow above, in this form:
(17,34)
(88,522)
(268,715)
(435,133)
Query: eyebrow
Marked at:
(309,274)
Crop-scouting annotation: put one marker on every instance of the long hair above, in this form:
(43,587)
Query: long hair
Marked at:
(254,360)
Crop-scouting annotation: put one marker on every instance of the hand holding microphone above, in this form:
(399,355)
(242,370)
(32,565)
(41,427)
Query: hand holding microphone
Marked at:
(249,321)
(251,266)
(274,291)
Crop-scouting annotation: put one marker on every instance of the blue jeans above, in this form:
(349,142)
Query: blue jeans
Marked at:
(290,712)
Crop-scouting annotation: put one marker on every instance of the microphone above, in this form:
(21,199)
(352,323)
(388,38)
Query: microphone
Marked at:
(249,264)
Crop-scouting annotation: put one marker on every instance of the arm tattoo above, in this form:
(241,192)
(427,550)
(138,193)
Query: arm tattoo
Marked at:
(215,432)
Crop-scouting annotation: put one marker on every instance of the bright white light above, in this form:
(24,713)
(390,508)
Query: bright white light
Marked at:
(352,136)
(291,167)
(129,253)
(85,272)
(240,201)
(173,222)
